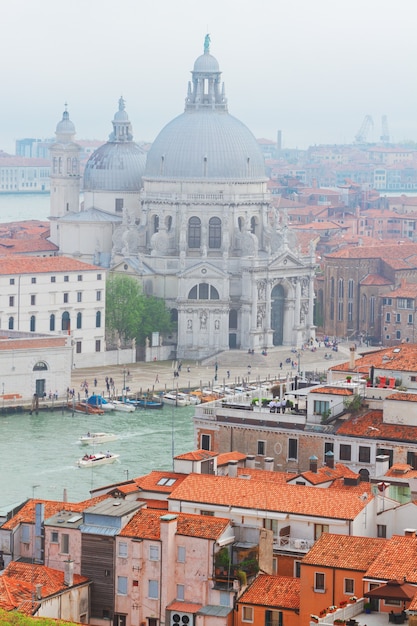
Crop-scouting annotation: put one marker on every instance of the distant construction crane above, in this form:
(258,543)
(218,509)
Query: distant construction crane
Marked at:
(384,129)
(363,132)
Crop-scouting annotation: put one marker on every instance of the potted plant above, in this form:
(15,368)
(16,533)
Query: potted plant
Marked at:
(339,621)
(222,562)
(367,607)
(342,603)
(352,599)
(314,618)
(332,608)
(348,378)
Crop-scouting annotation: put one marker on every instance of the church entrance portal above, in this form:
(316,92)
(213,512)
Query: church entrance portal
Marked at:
(277,314)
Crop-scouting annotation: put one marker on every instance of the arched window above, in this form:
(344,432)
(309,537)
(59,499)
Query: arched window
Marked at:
(98,319)
(168,223)
(240,223)
(79,320)
(155,223)
(69,165)
(52,322)
(203,291)
(11,323)
(194,232)
(40,366)
(215,233)
(341,288)
(65,321)
(32,323)
(253,225)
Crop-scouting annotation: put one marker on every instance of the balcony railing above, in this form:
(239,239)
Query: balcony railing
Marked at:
(293,544)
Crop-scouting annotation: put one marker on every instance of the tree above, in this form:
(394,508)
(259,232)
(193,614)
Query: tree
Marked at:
(132,315)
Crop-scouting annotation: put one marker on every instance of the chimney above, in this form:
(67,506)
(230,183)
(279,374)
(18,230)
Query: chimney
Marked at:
(409,532)
(232,469)
(329,457)
(69,573)
(382,464)
(313,464)
(250,461)
(352,358)
(38,592)
(268,464)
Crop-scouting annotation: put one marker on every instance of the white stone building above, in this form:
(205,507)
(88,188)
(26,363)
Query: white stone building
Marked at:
(56,295)
(196,226)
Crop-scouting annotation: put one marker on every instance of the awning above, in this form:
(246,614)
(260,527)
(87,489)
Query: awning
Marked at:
(393,590)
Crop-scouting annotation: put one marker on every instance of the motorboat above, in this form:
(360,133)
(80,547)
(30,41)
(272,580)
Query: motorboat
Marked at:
(176,398)
(101,402)
(153,402)
(83,407)
(97,438)
(119,405)
(91,460)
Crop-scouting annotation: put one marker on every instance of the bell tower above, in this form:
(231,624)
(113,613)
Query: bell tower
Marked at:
(65,174)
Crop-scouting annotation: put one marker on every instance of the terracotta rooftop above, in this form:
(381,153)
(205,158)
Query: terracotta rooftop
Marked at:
(397,560)
(372,426)
(159,481)
(26,515)
(401,469)
(402,358)
(197,455)
(264,475)
(146,525)
(376,280)
(225,457)
(37,265)
(281,592)
(268,496)
(344,552)
(398,255)
(18,580)
(326,474)
(403,291)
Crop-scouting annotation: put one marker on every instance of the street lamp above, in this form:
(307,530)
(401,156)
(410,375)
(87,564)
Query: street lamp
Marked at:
(299,363)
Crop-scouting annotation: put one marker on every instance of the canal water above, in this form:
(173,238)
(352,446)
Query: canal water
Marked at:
(38,453)
(15,207)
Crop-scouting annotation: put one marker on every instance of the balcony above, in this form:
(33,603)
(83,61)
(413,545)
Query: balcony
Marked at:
(292,544)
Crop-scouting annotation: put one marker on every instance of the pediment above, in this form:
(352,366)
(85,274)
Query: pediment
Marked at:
(201,270)
(285,261)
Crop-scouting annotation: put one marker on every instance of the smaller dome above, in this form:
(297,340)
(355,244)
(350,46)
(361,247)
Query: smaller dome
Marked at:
(206,63)
(121,115)
(115,167)
(65,126)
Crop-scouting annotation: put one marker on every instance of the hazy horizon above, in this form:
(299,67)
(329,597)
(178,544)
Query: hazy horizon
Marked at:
(313,70)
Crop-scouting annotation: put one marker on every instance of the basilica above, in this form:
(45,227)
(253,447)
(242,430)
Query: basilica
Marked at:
(191,219)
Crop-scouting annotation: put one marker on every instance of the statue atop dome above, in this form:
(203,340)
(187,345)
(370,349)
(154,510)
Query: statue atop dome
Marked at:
(207,41)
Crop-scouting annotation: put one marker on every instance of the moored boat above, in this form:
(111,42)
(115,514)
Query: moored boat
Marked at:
(90,460)
(99,401)
(176,398)
(119,405)
(96,438)
(83,407)
(152,402)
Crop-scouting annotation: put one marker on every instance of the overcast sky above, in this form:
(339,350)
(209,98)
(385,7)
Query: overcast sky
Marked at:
(310,68)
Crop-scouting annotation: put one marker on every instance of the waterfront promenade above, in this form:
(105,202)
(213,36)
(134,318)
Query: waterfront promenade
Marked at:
(159,376)
(231,368)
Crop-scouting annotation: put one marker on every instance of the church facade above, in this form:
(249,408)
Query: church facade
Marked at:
(195,226)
